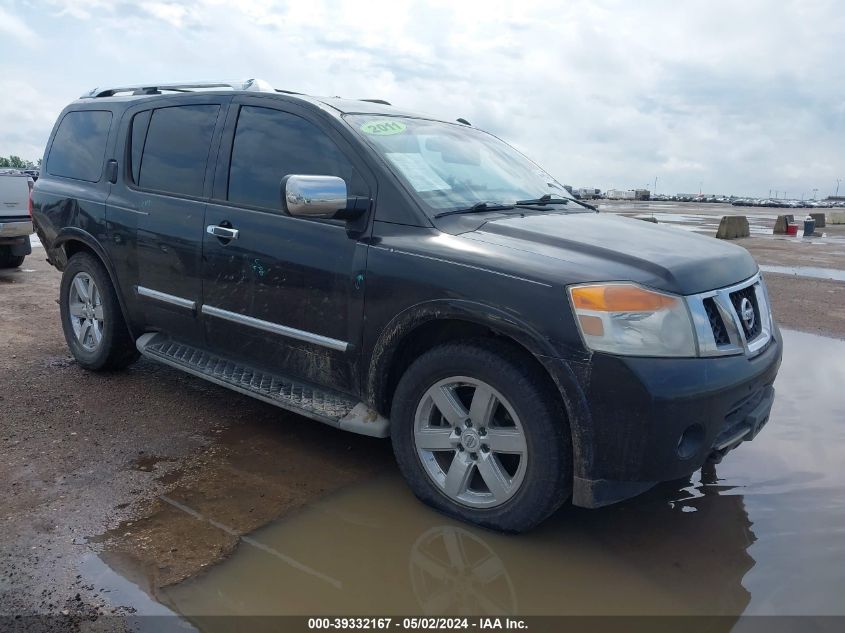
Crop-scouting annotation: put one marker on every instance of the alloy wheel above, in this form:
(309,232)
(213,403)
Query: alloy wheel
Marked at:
(85,311)
(471,442)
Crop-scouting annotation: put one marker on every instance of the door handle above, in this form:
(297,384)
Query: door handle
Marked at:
(223,232)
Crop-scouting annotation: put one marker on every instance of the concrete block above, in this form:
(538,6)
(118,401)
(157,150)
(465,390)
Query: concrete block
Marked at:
(780,225)
(732,227)
(837,217)
(819,218)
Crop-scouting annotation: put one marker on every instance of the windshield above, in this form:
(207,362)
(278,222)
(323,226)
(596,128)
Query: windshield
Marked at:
(452,166)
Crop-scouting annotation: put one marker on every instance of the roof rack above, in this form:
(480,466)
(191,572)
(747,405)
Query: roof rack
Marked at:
(381,101)
(251,85)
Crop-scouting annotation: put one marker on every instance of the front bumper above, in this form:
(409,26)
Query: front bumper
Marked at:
(648,420)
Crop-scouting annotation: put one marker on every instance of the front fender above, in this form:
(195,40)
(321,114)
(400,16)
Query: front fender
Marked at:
(564,373)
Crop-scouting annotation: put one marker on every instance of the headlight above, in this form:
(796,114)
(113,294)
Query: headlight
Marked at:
(624,318)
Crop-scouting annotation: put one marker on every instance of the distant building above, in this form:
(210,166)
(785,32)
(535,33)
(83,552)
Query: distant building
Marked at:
(620,194)
(642,194)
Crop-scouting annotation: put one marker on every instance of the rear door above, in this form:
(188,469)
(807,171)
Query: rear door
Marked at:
(287,293)
(156,212)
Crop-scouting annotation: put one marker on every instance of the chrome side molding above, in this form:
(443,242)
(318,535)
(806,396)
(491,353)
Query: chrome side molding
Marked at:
(276,328)
(180,302)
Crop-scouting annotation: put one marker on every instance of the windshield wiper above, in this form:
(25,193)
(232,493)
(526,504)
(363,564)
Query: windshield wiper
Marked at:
(477,208)
(547,199)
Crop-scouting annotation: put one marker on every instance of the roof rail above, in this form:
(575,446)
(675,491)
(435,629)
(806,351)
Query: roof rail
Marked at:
(381,101)
(252,85)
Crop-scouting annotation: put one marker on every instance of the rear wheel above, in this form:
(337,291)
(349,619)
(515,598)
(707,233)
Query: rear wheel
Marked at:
(479,435)
(91,318)
(7,260)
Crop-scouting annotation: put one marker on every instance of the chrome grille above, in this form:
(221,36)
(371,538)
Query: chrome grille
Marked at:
(720,328)
(737,299)
(720,332)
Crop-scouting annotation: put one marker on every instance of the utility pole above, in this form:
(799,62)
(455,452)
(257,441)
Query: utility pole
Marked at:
(838,180)
(655,184)
(815,193)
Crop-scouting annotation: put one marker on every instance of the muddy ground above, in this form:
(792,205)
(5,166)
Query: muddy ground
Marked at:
(160,472)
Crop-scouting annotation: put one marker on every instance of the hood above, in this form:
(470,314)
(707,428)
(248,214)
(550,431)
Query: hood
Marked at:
(603,247)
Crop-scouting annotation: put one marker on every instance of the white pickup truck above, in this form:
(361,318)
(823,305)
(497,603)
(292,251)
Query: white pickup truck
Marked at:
(15,218)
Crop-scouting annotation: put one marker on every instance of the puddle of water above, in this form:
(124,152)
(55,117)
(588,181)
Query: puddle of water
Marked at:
(806,271)
(761,533)
(123,591)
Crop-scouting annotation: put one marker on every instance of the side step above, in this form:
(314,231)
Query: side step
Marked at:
(330,407)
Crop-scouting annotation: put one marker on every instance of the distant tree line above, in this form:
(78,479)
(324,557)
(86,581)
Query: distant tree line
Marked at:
(16,162)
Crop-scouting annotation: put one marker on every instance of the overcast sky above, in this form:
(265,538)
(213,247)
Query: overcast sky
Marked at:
(738,97)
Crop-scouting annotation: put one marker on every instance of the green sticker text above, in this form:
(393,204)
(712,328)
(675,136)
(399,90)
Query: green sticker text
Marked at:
(383,127)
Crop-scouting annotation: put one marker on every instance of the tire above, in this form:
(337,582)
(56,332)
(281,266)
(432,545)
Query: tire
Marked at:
(98,344)
(515,398)
(7,260)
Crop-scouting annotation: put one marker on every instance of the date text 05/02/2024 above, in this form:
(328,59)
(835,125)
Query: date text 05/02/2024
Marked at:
(416,623)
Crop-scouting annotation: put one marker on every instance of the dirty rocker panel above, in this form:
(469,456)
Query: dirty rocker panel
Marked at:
(324,405)
(276,328)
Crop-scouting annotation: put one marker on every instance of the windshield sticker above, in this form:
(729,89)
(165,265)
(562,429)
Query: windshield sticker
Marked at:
(385,127)
(418,172)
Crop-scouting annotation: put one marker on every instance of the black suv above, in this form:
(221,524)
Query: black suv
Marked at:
(391,274)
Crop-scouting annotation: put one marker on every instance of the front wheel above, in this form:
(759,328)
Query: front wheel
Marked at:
(480,435)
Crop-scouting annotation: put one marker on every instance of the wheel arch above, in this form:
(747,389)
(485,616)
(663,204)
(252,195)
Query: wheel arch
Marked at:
(71,241)
(426,325)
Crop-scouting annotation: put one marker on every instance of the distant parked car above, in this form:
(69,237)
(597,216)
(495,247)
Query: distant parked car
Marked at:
(15,218)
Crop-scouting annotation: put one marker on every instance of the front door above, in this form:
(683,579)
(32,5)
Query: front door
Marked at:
(281,292)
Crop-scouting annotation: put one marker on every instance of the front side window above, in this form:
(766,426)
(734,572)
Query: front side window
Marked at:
(270,144)
(175,151)
(79,146)
(450,166)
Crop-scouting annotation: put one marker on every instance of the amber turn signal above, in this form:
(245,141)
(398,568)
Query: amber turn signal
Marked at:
(619,298)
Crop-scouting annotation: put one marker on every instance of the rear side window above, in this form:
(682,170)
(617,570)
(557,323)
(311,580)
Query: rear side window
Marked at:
(80,145)
(175,151)
(270,144)
(140,123)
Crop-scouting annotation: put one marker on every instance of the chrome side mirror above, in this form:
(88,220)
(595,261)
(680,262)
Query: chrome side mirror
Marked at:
(314,196)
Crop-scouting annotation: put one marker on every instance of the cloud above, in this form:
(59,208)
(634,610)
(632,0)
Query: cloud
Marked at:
(742,97)
(13,26)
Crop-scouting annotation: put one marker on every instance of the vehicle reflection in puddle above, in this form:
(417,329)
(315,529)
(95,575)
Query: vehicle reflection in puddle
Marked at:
(761,533)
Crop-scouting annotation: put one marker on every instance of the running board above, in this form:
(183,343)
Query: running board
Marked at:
(326,406)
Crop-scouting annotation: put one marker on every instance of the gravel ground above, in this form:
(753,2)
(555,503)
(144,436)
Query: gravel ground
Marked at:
(83,454)
(103,462)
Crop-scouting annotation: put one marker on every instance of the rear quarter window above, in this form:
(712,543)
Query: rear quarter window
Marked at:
(79,146)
